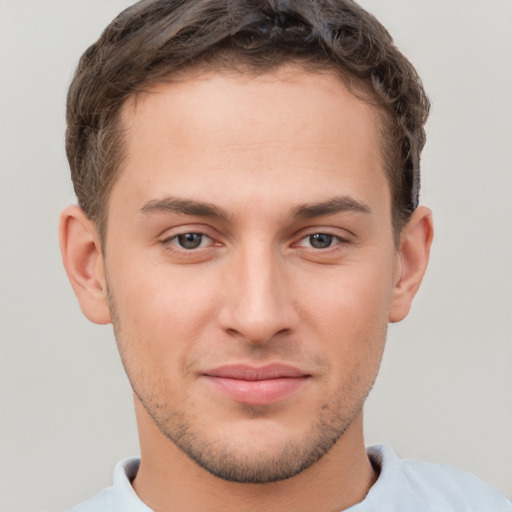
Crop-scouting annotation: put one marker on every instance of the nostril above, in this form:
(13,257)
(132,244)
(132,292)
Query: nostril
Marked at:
(233,332)
(258,337)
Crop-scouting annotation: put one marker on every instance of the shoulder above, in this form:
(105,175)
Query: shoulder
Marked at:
(452,487)
(102,501)
(424,486)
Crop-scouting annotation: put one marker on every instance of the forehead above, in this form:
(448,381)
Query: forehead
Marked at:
(214,132)
(315,98)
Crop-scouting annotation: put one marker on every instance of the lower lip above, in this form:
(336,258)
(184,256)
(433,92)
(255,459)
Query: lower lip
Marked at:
(258,392)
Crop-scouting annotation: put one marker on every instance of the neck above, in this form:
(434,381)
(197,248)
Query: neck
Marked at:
(168,480)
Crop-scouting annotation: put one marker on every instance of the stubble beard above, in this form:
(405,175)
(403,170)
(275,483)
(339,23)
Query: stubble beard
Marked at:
(244,462)
(257,464)
(225,459)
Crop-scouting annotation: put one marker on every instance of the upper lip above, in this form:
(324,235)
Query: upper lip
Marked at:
(250,372)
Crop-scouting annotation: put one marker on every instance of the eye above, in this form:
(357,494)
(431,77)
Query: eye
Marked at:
(321,240)
(189,241)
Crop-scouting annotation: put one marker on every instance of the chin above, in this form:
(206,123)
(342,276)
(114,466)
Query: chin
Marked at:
(258,449)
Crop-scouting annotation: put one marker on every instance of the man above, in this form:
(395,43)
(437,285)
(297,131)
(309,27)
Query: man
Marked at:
(247,176)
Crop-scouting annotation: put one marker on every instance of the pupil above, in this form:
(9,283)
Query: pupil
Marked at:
(190,240)
(320,240)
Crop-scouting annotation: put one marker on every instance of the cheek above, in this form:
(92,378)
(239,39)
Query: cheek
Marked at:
(159,315)
(348,298)
(347,313)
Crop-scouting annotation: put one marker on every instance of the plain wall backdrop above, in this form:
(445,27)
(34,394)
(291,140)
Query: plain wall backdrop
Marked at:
(445,388)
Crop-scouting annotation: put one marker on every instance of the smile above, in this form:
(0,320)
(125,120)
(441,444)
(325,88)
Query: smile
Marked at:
(256,385)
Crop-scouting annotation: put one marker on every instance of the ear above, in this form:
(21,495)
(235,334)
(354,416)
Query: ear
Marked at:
(82,257)
(412,260)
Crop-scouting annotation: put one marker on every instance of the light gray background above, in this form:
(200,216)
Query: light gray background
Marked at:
(444,393)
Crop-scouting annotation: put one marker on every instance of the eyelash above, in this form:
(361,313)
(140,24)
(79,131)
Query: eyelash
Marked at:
(176,241)
(334,240)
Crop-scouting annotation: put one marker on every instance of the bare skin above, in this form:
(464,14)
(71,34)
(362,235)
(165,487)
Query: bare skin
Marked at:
(339,480)
(250,275)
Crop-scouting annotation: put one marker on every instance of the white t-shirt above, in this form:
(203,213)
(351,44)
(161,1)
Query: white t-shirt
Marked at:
(402,486)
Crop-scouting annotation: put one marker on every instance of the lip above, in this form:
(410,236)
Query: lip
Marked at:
(257,385)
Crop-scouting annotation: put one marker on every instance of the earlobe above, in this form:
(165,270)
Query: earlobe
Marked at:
(412,260)
(83,261)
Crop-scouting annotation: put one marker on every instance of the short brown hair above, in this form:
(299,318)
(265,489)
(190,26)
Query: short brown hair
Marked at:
(154,39)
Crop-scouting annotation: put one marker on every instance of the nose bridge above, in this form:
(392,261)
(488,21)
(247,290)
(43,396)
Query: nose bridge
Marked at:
(258,304)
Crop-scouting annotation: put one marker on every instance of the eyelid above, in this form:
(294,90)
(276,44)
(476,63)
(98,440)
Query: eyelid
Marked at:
(343,235)
(182,229)
(337,240)
(171,239)
(168,237)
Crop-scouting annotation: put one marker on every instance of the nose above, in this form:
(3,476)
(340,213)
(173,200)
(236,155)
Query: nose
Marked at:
(258,303)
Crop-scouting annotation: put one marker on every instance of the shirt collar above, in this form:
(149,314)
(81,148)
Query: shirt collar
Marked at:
(124,496)
(390,483)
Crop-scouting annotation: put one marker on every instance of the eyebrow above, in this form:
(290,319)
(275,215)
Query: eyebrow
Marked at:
(304,211)
(186,207)
(330,207)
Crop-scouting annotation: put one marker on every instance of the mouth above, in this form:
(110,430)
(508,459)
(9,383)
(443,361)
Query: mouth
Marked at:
(256,385)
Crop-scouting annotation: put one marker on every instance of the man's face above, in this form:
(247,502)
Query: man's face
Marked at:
(250,264)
